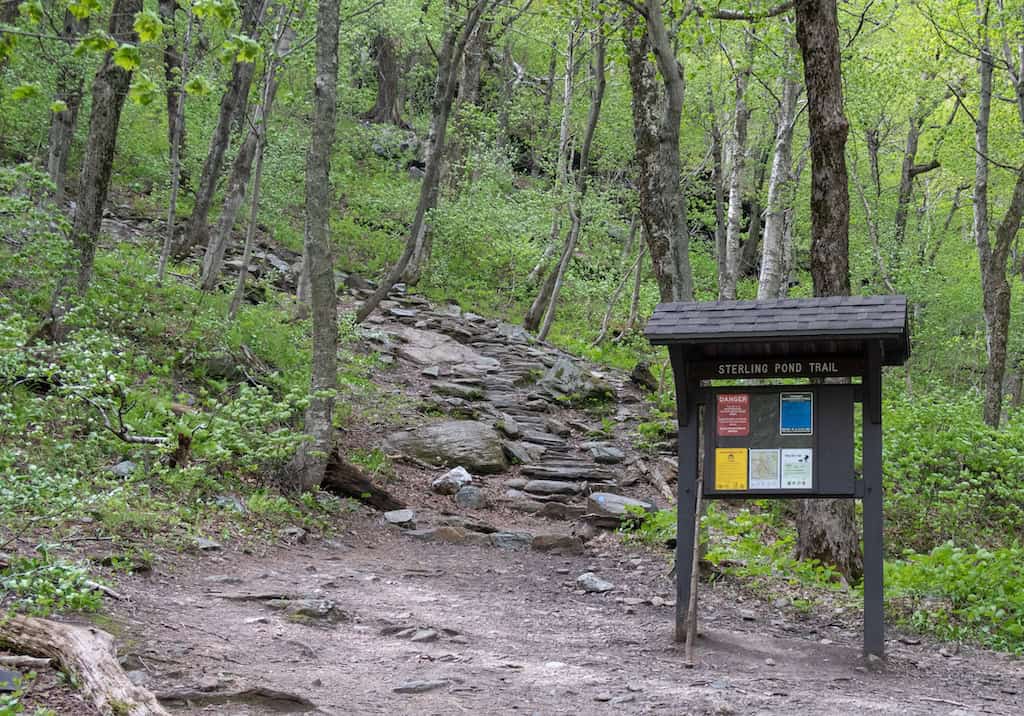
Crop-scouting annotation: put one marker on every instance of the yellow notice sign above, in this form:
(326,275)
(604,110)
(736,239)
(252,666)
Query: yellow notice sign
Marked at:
(730,468)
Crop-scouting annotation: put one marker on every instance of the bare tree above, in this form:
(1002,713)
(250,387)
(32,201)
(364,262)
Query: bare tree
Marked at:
(827,528)
(241,170)
(736,151)
(452,45)
(70,85)
(535,314)
(657,111)
(231,104)
(387,109)
(993,256)
(311,459)
(779,182)
(109,90)
(178,69)
(576,202)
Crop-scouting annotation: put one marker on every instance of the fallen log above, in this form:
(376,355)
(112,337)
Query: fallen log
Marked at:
(29,661)
(88,654)
(343,478)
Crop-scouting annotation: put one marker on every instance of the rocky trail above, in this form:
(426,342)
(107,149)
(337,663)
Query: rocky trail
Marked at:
(498,584)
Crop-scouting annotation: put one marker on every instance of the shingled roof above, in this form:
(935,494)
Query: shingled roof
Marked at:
(789,326)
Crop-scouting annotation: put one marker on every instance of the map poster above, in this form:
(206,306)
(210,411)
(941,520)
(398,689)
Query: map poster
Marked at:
(796,470)
(730,468)
(764,469)
(796,413)
(733,417)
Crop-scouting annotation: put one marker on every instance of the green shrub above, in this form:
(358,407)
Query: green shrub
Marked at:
(962,593)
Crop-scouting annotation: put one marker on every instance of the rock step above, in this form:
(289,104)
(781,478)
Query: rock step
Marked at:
(590,474)
(539,438)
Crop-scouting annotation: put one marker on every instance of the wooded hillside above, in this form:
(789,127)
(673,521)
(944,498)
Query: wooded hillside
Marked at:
(207,208)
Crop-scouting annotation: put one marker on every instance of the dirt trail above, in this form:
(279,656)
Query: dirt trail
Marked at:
(384,621)
(515,635)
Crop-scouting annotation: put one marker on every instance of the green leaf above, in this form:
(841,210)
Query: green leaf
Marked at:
(245,48)
(144,91)
(59,106)
(223,11)
(32,10)
(84,8)
(148,26)
(25,91)
(127,57)
(197,86)
(96,41)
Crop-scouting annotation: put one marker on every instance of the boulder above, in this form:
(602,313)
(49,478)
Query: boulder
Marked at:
(471,498)
(605,454)
(511,540)
(474,445)
(452,481)
(402,518)
(590,582)
(552,487)
(427,348)
(566,380)
(609,509)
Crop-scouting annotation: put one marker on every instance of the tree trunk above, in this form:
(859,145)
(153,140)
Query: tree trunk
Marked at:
(909,169)
(177,142)
(87,654)
(535,314)
(736,153)
(576,202)
(718,184)
(234,98)
(174,77)
(452,45)
(827,529)
(818,35)
(748,252)
(657,111)
(447,83)
(873,142)
(387,108)
(109,89)
(70,83)
(634,302)
(250,232)
(313,456)
(473,62)
(241,170)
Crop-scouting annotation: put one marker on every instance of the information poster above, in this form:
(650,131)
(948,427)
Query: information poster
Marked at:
(731,469)
(796,413)
(797,469)
(733,418)
(764,469)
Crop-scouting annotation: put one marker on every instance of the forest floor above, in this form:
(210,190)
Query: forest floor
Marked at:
(496,631)
(380,619)
(462,613)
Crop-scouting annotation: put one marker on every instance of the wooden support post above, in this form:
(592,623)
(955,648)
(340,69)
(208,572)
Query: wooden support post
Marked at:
(874,615)
(686,504)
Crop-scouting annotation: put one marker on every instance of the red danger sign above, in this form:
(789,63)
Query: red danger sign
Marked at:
(733,415)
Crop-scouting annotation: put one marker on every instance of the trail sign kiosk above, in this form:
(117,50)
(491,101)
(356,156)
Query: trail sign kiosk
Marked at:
(782,440)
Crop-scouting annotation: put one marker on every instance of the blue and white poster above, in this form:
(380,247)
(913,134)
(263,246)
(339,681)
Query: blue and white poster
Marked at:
(796,413)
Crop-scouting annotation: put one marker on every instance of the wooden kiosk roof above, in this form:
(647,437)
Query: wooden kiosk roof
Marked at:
(834,325)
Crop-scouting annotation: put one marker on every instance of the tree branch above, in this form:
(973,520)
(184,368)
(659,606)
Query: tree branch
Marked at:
(924,168)
(721,14)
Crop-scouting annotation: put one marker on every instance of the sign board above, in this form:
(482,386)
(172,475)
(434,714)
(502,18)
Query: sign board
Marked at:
(831,367)
(780,441)
(733,414)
